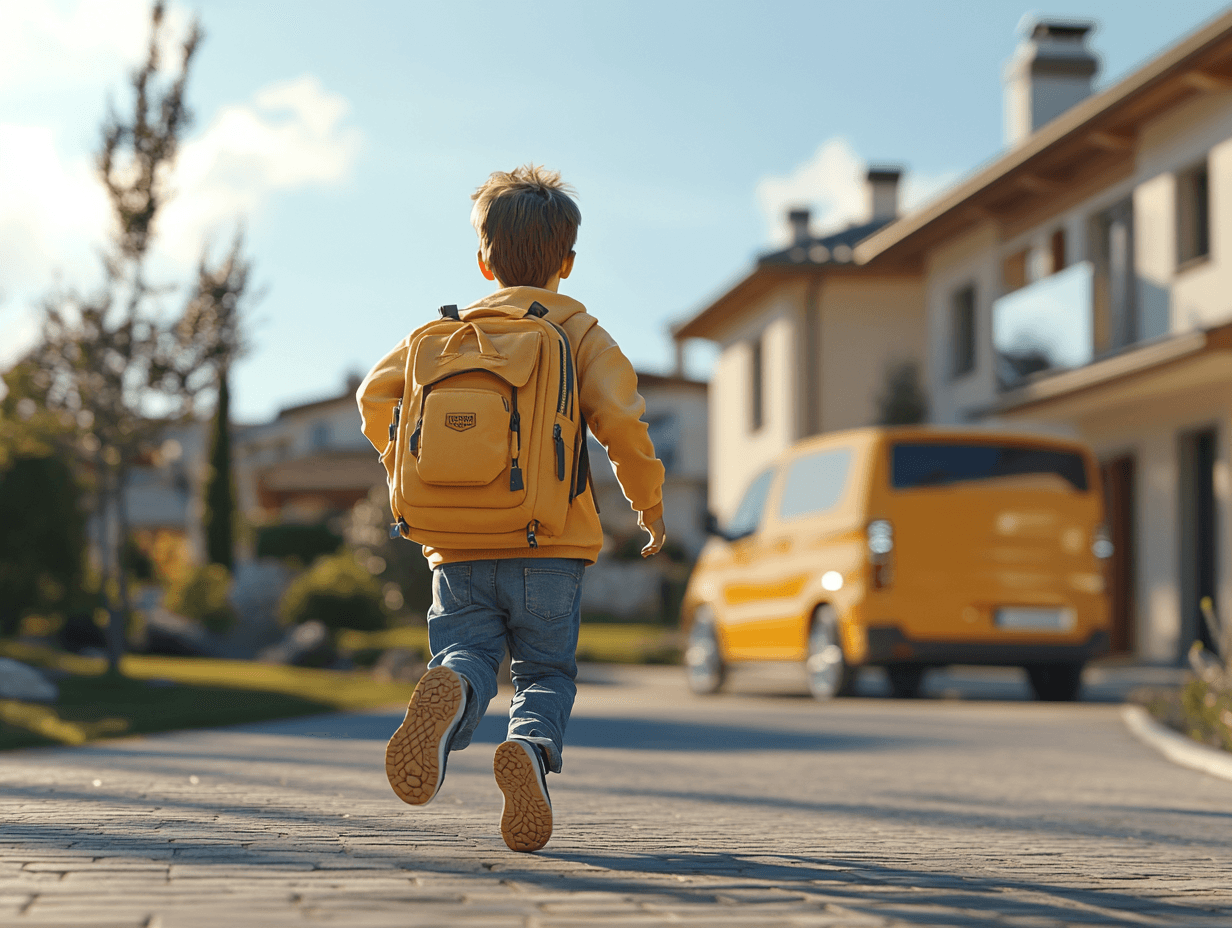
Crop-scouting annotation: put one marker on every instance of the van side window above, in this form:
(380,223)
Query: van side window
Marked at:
(748,515)
(815,482)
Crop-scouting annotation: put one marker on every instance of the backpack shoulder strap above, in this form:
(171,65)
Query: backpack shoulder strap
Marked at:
(450,312)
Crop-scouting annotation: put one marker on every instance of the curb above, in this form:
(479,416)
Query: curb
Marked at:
(1177,748)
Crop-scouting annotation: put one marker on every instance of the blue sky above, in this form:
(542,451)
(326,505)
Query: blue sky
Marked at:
(348,138)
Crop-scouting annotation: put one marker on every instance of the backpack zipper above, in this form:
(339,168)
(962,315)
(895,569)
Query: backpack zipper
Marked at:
(515,426)
(530,533)
(560,451)
(565,406)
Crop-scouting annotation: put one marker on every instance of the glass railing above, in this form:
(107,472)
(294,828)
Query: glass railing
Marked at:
(1045,326)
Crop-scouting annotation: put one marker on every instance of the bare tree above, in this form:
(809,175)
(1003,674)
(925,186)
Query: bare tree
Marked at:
(99,357)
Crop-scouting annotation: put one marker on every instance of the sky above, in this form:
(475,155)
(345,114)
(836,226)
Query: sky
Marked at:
(346,138)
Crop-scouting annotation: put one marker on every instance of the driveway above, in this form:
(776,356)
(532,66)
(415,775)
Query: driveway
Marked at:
(753,808)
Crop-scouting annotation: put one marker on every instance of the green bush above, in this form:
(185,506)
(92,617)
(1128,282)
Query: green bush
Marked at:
(337,592)
(202,594)
(304,542)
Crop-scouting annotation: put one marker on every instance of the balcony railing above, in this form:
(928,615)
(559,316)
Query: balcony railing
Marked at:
(1045,326)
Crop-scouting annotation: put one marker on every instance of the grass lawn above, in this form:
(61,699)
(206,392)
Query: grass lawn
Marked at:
(607,642)
(167,693)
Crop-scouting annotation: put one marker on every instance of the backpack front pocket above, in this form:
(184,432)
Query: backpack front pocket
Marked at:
(465,439)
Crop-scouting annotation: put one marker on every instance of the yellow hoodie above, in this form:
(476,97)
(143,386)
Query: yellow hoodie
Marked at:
(607,391)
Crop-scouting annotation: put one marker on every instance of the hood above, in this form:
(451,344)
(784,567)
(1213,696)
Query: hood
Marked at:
(514,301)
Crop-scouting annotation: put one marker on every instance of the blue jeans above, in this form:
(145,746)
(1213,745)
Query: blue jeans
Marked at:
(531,605)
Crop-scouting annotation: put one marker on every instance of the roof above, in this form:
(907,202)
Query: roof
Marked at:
(1091,143)
(817,254)
(647,379)
(347,394)
(836,248)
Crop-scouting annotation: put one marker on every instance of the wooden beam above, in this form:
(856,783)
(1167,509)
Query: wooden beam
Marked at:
(1207,81)
(1111,141)
(1033,183)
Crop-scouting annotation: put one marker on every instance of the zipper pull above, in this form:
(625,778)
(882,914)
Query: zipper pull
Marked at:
(515,478)
(560,452)
(415,438)
(395,530)
(530,533)
(393,426)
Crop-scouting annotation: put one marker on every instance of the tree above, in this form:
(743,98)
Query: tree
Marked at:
(197,355)
(98,360)
(902,402)
(42,547)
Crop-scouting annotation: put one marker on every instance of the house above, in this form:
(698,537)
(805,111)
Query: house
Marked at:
(676,417)
(1078,284)
(806,341)
(311,462)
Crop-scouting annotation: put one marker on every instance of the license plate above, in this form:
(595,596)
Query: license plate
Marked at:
(1030,618)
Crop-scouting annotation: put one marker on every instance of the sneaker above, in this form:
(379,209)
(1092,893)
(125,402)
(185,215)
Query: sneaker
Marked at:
(415,757)
(526,820)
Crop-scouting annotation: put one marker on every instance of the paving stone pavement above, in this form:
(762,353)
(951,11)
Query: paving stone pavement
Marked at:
(758,808)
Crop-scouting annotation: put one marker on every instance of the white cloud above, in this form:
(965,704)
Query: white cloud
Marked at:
(290,136)
(831,185)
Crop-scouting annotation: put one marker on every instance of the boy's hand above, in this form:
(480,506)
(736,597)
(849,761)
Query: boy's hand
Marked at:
(658,534)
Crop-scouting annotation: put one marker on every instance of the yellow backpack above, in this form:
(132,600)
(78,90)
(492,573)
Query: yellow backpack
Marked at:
(489,443)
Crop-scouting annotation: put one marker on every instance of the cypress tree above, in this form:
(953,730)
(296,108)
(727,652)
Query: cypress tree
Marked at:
(219,517)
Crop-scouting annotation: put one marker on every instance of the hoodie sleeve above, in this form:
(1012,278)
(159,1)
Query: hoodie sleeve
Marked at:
(613,410)
(379,393)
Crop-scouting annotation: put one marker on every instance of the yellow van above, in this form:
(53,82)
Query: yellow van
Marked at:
(908,548)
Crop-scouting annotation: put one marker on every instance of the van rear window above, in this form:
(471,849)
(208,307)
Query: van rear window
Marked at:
(940,464)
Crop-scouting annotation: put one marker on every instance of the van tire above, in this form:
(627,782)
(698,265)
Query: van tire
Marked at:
(906,680)
(1059,682)
(705,669)
(826,666)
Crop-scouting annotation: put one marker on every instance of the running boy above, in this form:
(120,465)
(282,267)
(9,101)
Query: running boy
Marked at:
(526,597)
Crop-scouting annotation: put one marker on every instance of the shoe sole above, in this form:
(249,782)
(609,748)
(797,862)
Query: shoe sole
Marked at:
(415,756)
(526,820)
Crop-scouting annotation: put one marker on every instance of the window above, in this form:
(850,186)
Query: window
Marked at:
(934,465)
(962,332)
(664,432)
(748,515)
(1193,214)
(1114,289)
(320,436)
(757,412)
(1056,245)
(815,482)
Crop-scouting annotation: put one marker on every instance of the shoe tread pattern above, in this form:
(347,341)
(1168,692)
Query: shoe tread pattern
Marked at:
(412,758)
(526,821)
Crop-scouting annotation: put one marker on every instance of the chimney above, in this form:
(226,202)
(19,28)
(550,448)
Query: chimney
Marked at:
(881,193)
(799,219)
(1050,71)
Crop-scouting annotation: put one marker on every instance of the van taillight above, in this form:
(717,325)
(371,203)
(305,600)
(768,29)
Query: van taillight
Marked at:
(1101,543)
(881,553)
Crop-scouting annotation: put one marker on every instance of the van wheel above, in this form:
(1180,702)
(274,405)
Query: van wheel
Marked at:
(828,673)
(1059,682)
(906,680)
(703,660)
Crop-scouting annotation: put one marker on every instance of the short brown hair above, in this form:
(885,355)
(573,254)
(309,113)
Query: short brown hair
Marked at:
(527,224)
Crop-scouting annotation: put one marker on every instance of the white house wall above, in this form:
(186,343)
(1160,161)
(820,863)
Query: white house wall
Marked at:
(736,453)
(969,260)
(867,325)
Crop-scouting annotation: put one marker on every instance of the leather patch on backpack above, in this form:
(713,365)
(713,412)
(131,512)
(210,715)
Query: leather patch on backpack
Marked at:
(460,421)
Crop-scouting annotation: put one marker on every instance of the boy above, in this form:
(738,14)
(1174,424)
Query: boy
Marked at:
(526,597)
